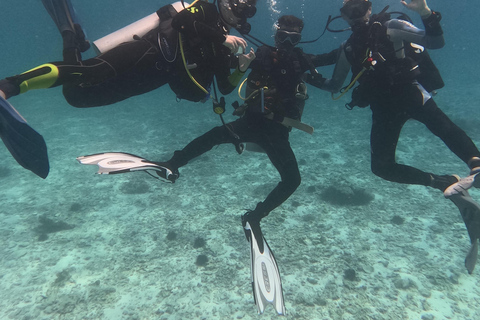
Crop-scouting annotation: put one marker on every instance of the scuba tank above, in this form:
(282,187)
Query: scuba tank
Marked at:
(138,28)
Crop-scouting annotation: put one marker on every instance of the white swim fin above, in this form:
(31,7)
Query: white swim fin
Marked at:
(119,162)
(266,281)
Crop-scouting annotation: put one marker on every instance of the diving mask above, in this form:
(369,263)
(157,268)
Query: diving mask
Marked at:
(283,36)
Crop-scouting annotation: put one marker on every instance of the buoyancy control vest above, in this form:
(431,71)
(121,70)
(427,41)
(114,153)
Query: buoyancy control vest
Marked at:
(202,58)
(281,78)
(369,47)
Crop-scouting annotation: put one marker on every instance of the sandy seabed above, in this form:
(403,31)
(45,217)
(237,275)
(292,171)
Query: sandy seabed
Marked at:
(130,243)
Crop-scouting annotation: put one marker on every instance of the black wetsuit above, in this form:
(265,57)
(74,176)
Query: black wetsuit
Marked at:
(139,66)
(282,76)
(396,93)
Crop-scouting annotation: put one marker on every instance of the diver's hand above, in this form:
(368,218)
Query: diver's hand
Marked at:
(234,43)
(315,79)
(419,6)
(244,60)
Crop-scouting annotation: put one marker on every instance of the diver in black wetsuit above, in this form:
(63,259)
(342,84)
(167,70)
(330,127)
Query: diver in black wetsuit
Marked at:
(396,92)
(274,102)
(395,81)
(143,64)
(275,92)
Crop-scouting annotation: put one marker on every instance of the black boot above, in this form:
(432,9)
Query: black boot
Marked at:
(82,43)
(169,174)
(253,217)
(443,182)
(9,87)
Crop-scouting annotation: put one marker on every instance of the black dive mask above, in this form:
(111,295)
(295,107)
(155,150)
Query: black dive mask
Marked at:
(284,36)
(355,9)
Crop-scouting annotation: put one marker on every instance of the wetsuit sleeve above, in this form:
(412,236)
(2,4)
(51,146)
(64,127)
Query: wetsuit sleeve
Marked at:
(199,21)
(340,73)
(324,59)
(401,30)
(227,81)
(312,61)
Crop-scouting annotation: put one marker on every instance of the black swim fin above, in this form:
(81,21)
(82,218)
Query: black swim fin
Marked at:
(470,211)
(63,15)
(25,144)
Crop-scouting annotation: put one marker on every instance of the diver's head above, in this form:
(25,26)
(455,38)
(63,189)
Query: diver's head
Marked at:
(356,11)
(289,32)
(236,12)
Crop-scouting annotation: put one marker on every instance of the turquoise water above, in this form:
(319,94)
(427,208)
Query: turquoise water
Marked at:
(118,263)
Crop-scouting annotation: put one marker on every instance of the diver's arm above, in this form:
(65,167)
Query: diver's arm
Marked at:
(431,38)
(340,73)
(419,6)
(324,59)
(199,20)
(227,81)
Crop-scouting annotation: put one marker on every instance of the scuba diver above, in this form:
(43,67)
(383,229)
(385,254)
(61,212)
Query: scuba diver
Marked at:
(275,97)
(396,78)
(187,47)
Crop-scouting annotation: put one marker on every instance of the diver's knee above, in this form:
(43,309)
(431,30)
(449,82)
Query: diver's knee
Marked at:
(293,182)
(77,99)
(75,102)
(381,168)
(297,181)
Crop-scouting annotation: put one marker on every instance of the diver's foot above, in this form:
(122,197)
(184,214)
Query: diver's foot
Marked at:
(443,182)
(82,43)
(75,39)
(463,184)
(166,173)
(9,87)
(253,220)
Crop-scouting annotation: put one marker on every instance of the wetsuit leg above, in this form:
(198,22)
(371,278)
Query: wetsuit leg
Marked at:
(125,71)
(387,122)
(204,143)
(453,136)
(271,136)
(274,140)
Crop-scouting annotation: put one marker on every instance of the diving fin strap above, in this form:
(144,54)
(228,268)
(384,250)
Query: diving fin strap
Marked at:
(265,276)
(120,162)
